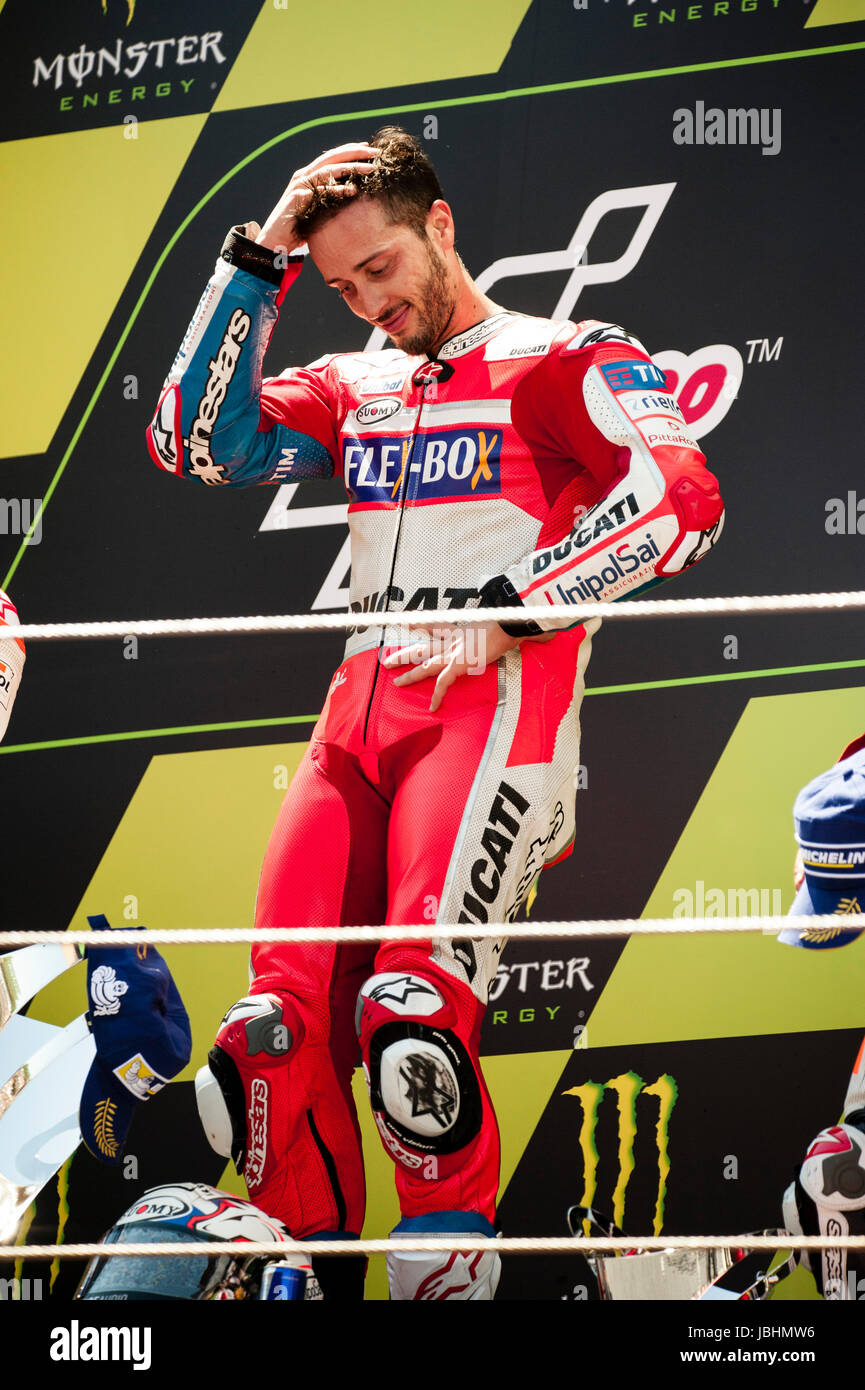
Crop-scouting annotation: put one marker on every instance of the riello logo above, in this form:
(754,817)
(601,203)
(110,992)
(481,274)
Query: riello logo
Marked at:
(655,1109)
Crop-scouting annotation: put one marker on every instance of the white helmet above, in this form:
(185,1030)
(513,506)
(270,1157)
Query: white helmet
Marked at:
(187,1213)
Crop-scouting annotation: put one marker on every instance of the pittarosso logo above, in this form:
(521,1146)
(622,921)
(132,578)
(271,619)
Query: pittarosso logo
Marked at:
(128,60)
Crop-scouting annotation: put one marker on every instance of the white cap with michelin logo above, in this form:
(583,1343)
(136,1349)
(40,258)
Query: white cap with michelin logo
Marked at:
(829,816)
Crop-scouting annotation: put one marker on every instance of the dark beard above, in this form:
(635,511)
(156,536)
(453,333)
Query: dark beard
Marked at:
(436,309)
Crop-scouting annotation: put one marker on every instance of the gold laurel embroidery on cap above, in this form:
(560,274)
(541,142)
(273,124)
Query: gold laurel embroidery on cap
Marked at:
(818,934)
(103,1127)
(847,906)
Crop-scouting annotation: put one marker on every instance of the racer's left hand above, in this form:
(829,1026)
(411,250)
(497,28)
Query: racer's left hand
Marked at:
(448,653)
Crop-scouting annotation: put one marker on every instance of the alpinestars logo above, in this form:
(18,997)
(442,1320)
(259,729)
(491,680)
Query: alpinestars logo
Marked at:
(406,994)
(704,544)
(222,369)
(392,1144)
(257,1131)
(430,1088)
(163,430)
(603,333)
(835,1261)
(535,861)
(433,371)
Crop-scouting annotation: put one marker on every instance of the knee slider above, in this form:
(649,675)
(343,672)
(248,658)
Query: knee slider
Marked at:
(828,1198)
(256,1034)
(264,1027)
(833,1173)
(422,1082)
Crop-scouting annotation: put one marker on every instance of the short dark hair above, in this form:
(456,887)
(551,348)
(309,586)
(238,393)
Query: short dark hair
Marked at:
(402,178)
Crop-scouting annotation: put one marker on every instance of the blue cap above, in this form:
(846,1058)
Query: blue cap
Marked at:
(142,1036)
(829,815)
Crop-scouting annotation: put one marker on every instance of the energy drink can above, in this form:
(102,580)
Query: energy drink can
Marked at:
(283,1282)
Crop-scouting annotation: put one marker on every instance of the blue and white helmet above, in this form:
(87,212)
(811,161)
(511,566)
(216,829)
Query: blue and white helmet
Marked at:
(189,1213)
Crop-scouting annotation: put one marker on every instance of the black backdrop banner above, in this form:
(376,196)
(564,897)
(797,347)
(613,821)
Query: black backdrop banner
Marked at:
(707,158)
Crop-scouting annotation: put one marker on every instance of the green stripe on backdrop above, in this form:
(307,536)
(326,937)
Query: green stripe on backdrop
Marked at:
(86,740)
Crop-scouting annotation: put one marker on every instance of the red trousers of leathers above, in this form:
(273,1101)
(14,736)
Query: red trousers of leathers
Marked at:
(387,821)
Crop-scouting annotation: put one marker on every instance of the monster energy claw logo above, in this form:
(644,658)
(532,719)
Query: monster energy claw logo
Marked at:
(627,1088)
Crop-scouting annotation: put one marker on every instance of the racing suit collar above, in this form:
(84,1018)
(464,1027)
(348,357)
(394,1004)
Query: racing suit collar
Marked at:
(471,338)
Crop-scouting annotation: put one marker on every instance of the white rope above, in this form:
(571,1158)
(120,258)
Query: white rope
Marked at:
(445,617)
(531,931)
(514,1245)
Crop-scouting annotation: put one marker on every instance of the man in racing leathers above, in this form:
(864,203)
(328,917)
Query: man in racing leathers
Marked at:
(490,458)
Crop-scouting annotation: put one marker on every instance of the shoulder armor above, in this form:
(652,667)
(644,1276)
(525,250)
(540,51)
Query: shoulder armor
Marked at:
(590,332)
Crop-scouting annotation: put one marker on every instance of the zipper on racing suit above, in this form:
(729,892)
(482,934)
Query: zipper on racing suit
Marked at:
(423,383)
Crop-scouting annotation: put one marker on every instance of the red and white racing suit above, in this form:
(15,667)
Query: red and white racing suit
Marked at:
(532,461)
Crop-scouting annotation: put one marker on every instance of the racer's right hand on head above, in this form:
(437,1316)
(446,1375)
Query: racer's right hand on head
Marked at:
(335,166)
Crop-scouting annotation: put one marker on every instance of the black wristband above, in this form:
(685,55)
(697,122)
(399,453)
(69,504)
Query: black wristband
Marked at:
(241,251)
(500,593)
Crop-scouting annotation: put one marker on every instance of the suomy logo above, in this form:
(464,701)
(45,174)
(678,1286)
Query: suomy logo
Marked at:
(373,411)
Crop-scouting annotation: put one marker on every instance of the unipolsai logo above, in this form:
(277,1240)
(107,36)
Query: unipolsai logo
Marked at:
(641,1108)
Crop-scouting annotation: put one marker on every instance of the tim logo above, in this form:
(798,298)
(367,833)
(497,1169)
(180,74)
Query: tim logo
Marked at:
(653,1112)
(625,376)
(444,464)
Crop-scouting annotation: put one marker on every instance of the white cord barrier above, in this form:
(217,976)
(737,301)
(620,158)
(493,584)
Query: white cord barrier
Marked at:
(514,1245)
(446,617)
(531,931)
